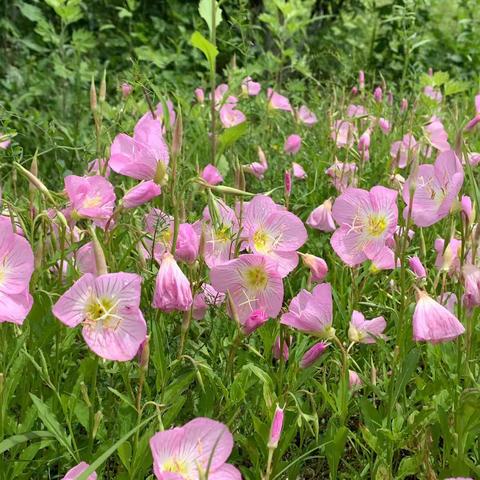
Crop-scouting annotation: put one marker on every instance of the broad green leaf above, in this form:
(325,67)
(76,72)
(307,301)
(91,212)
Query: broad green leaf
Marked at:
(15,440)
(205,8)
(209,50)
(231,135)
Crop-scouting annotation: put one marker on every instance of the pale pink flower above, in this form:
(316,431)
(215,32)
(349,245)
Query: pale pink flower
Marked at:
(98,166)
(287,183)
(343,133)
(459,478)
(433,93)
(404,151)
(435,189)
(385,125)
(476,119)
(378,94)
(342,175)
(188,452)
(16,268)
(108,307)
(4,141)
(312,312)
(249,87)
(436,134)
(448,258)
(160,117)
(207,297)
(253,282)
(355,111)
(318,267)
(144,156)
(471,278)
(75,472)
(365,331)
(367,220)
(272,231)
(298,171)
(306,116)
(230,116)
(417,267)
(219,96)
(140,194)
(292,144)
(364,144)
(258,168)
(313,354)
(285,353)
(90,197)
(212,175)
(448,300)
(277,101)
(354,90)
(172,288)
(200,95)
(434,323)
(85,259)
(354,380)
(276,428)
(361,79)
(404,105)
(127,89)
(255,320)
(321,218)
(473,158)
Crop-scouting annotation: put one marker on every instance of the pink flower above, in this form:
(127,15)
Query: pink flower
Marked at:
(4,141)
(172,288)
(312,312)
(435,189)
(292,144)
(471,277)
(274,232)
(378,94)
(361,79)
(75,472)
(354,90)
(432,93)
(287,183)
(258,168)
(253,282)
(90,197)
(140,194)
(473,158)
(277,101)
(476,119)
(108,307)
(160,117)
(207,297)
(313,354)
(364,144)
(200,95)
(390,97)
(354,380)
(16,268)
(467,208)
(255,320)
(230,116)
(385,125)
(355,111)
(342,175)
(98,166)
(298,171)
(249,87)
(144,156)
(434,323)
(404,105)
(448,300)
(188,452)
(219,96)
(276,428)
(448,258)
(127,89)
(365,331)
(405,151)
(277,354)
(436,134)
(417,268)
(305,116)
(343,133)
(318,267)
(367,221)
(85,259)
(321,218)
(212,175)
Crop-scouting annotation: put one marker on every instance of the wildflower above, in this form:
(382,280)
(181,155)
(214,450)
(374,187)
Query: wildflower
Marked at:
(258,168)
(298,171)
(361,80)
(277,354)
(212,175)
(274,232)
(390,97)
(321,217)
(293,144)
(276,428)
(343,133)
(471,278)
(367,221)
(305,116)
(85,259)
(200,95)
(448,300)
(433,93)
(253,282)
(140,194)
(404,105)
(365,331)
(355,111)
(127,89)
(436,134)
(207,297)
(189,452)
(385,125)
(16,268)
(318,267)
(172,288)
(311,312)
(404,151)
(342,175)
(144,156)
(159,116)
(467,208)
(249,87)
(448,258)
(378,94)
(364,144)
(313,354)
(75,472)
(473,158)
(476,119)
(99,166)
(287,183)
(434,323)
(435,189)
(108,307)
(230,116)
(277,101)
(4,141)
(354,90)
(90,197)
(417,268)
(255,320)
(354,380)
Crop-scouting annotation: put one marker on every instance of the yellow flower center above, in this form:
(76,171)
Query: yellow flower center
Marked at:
(92,202)
(174,465)
(102,310)
(376,225)
(223,234)
(260,241)
(256,278)
(166,236)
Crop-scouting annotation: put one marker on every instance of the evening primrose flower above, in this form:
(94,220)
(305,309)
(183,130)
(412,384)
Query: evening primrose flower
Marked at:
(189,452)
(367,221)
(277,101)
(75,472)
(253,282)
(365,331)
(321,217)
(108,307)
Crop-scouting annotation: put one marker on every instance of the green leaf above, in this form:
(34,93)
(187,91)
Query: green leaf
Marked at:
(209,50)
(205,8)
(408,367)
(453,86)
(15,440)
(231,135)
(32,12)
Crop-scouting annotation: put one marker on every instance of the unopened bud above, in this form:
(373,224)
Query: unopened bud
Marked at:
(177,136)
(36,182)
(84,391)
(103,87)
(97,419)
(232,308)
(276,428)
(100,262)
(93,96)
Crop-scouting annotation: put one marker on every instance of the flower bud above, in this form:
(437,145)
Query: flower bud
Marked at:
(276,428)
(313,354)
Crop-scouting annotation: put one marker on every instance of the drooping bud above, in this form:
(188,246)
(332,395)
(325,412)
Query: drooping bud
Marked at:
(276,428)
